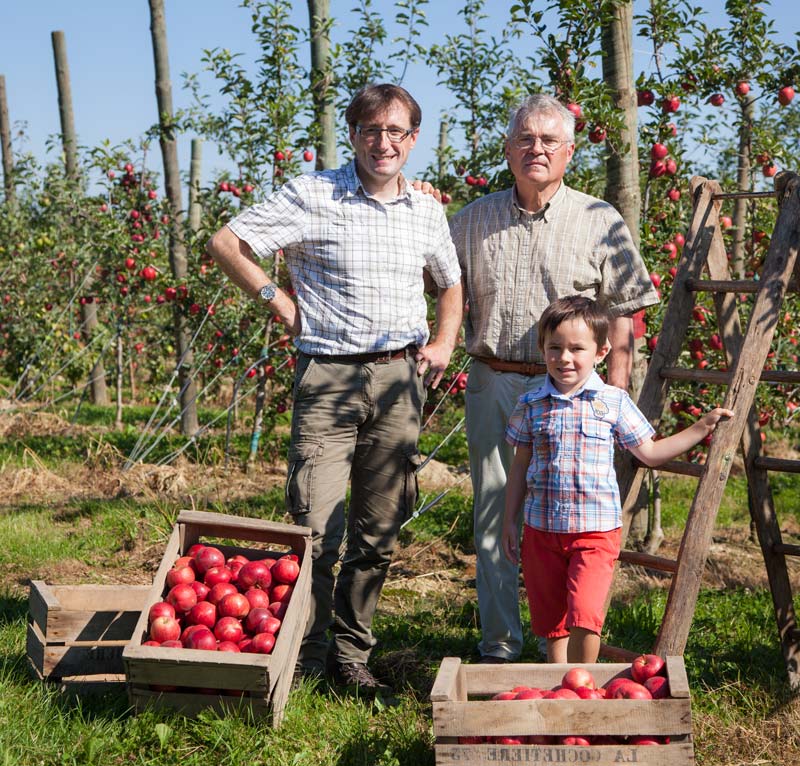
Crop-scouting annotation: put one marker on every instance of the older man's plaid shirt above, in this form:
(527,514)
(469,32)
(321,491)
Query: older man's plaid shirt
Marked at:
(516,263)
(572,486)
(355,263)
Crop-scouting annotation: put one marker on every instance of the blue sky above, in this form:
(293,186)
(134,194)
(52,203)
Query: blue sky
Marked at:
(111,63)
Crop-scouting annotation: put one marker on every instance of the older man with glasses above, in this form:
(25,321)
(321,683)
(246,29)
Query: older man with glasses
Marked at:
(356,241)
(520,249)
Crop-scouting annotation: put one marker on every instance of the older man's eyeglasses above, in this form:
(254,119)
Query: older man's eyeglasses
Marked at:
(526,142)
(395,135)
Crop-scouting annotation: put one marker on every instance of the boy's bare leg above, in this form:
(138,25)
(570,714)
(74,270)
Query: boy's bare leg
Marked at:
(557,649)
(583,646)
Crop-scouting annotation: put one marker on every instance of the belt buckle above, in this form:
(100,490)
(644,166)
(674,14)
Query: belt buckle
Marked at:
(384,358)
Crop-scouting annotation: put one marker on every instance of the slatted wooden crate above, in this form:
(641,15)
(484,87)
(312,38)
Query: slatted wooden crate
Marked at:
(76,633)
(462,708)
(191,680)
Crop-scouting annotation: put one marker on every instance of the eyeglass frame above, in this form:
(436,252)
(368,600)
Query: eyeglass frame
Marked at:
(378,132)
(545,143)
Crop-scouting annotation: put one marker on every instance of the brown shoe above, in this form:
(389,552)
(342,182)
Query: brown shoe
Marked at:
(492,659)
(357,676)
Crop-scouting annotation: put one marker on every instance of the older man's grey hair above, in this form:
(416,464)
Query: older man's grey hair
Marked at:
(539,103)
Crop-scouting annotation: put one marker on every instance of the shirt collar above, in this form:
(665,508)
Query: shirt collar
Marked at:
(550,206)
(591,387)
(353,184)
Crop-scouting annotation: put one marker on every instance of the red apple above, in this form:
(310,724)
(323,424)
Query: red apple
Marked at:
(785,95)
(182,597)
(658,151)
(208,557)
(202,639)
(670,104)
(769,170)
(281,593)
(504,696)
(202,613)
(674,194)
(507,740)
(577,677)
(658,686)
(645,97)
(254,618)
(254,573)
(172,644)
(308,155)
(630,691)
(471,740)
(643,740)
(278,608)
(742,88)
(160,609)
(614,684)
(234,605)
(148,273)
(229,629)
(218,592)
(597,134)
(716,99)
(285,570)
(576,110)
(165,628)
(258,598)
(647,665)
(585,693)
(178,575)
(216,575)
(228,646)
(529,694)
(201,589)
(560,694)
(575,741)
(262,643)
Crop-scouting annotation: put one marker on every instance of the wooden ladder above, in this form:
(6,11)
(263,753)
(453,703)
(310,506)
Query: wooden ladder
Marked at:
(746,354)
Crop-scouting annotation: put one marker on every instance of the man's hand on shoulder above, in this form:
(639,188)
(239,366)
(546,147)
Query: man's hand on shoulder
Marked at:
(427,188)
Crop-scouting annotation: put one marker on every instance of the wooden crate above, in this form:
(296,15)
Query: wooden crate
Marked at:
(191,680)
(76,633)
(461,707)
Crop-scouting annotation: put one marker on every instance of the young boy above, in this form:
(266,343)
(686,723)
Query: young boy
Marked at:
(564,434)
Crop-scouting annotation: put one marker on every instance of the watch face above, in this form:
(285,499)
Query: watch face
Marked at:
(267,292)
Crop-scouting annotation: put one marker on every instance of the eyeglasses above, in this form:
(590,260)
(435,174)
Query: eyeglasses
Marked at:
(396,135)
(527,142)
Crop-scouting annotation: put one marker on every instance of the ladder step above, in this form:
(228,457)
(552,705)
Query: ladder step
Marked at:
(683,468)
(778,464)
(722,377)
(786,549)
(617,653)
(648,561)
(730,285)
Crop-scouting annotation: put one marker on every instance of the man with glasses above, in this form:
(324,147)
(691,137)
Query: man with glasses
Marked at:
(356,241)
(520,249)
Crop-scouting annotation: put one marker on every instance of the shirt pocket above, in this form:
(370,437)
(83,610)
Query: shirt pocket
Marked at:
(545,447)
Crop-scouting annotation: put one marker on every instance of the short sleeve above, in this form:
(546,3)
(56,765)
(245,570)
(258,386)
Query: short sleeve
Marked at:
(632,427)
(518,430)
(276,223)
(442,261)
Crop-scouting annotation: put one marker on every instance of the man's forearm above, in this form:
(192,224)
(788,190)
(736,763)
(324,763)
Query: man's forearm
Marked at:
(449,313)
(235,258)
(620,360)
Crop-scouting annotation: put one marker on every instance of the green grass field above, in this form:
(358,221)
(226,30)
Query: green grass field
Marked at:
(743,710)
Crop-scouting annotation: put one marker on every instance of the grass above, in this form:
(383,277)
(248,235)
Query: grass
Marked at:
(743,709)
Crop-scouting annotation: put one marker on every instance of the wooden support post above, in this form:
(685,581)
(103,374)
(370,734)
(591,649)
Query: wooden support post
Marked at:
(5,144)
(172,182)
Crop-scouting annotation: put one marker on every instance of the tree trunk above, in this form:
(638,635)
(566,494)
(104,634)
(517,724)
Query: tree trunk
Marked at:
(195,209)
(743,183)
(172,183)
(5,142)
(68,139)
(622,172)
(322,82)
(97,377)
(443,139)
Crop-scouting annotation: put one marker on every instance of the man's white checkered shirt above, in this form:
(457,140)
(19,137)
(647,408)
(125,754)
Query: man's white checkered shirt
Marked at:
(355,263)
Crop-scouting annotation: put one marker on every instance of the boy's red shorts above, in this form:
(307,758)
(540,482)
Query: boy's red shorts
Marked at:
(567,577)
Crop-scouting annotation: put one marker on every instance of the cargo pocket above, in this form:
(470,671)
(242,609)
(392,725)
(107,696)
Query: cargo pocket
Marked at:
(413,462)
(300,476)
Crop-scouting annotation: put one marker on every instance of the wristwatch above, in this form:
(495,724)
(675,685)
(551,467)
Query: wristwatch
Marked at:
(267,293)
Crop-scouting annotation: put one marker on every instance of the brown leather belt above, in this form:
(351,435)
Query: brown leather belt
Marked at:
(521,368)
(373,357)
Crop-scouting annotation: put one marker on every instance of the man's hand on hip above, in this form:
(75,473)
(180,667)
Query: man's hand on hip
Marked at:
(432,361)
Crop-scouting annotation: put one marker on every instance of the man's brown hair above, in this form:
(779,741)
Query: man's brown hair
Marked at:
(574,307)
(376,98)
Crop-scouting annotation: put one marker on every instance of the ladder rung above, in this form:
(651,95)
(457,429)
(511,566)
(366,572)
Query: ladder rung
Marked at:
(683,468)
(730,285)
(778,464)
(743,195)
(786,549)
(721,377)
(617,653)
(648,561)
